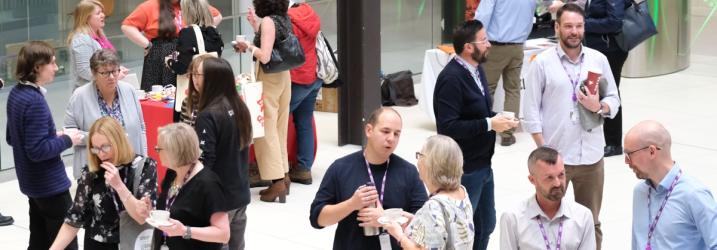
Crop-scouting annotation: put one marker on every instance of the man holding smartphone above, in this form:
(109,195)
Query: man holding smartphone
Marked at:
(345,198)
(553,95)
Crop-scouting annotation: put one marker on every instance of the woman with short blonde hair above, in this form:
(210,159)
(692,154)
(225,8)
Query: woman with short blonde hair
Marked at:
(196,12)
(191,193)
(446,220)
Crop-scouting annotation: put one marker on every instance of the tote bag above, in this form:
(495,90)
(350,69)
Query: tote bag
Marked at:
(183,80)
(252,92)
(326,64)
(636,27)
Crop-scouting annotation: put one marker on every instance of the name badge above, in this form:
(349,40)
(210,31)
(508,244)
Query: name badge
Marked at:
(385,240)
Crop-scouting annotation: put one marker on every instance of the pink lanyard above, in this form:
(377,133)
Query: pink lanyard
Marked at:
(178,19)
(575,81)
(545,235)
(383,183)
(653,225)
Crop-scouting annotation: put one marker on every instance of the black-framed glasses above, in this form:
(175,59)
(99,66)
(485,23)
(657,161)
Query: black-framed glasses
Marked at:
(115,72)
(627,154)
(197,74)
(157,149)
(419,155)
(104,148)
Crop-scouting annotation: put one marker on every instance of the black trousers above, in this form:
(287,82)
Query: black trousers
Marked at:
(46,217)
(613,127)
(91,244)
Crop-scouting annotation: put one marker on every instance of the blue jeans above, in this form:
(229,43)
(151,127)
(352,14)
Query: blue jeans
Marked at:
(479,184)
(303,98)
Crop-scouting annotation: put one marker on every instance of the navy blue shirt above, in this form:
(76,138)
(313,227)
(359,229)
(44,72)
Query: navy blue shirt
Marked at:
(35,145)
(403,190)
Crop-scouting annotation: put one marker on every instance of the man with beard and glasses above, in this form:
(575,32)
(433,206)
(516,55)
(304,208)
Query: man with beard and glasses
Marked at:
(462,104)
(546,220)
(670,210)
(554,104)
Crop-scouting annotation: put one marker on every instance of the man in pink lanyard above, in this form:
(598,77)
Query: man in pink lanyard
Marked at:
(545,220)
(556,107)
(670,210)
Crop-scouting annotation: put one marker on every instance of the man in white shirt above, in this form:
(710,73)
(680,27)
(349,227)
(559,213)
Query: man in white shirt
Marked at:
(546,220)
(554,105)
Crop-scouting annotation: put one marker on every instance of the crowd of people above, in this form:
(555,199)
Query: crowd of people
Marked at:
(447,201)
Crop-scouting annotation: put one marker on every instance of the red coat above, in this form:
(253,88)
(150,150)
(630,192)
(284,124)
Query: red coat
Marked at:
(306,25)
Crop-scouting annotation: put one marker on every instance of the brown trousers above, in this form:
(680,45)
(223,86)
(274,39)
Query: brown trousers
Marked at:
(506,61)
(588,183)
(271,155)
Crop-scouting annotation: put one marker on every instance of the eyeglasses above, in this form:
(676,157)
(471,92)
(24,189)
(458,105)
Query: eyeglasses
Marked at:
(105,74)
(419,155)
(197,74)
(157,149)
(627,154)
(482,41)
(104,148)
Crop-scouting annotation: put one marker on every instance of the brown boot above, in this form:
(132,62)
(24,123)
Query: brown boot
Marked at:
(254,179)
(300,175)
(286,181)
(276,190)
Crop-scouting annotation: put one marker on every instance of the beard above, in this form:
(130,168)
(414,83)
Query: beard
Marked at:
(555,194)
(478,55)
(569,41)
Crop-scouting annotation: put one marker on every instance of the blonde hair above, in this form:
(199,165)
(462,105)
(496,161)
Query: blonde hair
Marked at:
(121,149)
(443,162)
(82,13)
(196,12)
(180,142)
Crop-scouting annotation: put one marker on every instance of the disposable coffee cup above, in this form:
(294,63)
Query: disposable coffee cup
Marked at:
(240,38)
(159,215)
(508,114)
(593,78)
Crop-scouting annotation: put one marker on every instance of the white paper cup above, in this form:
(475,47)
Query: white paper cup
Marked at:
(508,114)
(240,38)
(159,215)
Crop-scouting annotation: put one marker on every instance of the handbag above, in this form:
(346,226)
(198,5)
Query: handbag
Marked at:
(286,54)
(397,89)
(183,80)
(326,64)
(636,27)
(252,92)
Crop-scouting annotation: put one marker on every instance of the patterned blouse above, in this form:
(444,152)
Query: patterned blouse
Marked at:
(115,111)
(97,206)
(430,230)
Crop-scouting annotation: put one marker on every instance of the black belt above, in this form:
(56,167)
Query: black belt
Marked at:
(500,43)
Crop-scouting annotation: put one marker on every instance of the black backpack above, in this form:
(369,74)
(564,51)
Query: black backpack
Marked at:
(397,89)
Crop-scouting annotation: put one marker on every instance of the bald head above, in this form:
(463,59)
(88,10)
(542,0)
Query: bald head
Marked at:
(650,133)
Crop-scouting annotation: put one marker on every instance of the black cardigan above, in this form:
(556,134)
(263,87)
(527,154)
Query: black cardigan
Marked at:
(460,111)
(187,47)
(219,141)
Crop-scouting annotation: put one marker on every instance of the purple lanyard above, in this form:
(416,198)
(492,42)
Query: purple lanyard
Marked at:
(545,235)
(575,81)
(383,183)
(653,225)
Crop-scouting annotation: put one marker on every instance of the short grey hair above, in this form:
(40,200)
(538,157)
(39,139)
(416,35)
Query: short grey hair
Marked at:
(103,57)
(180,142)
(443,162)
(544,154)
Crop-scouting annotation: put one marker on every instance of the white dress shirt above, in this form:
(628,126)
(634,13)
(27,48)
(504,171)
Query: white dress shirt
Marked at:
(519,227)
(549,108)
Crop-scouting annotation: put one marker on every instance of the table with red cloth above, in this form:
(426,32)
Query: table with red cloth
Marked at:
(157,114)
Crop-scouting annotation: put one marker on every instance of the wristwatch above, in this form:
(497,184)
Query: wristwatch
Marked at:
(188,234)
(600,111)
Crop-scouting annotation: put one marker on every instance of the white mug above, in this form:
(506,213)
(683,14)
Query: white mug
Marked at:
(157,88)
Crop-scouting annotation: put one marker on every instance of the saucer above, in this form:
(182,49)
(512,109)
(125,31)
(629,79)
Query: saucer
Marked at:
(384,220)
(157,224)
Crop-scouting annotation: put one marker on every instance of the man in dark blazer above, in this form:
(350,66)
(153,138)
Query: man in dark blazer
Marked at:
(462,104)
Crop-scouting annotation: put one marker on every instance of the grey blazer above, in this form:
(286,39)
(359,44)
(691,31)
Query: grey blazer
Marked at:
(82,48)
(84,109)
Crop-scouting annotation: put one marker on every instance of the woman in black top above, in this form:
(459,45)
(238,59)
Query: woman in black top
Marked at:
(195,12)
(191,193)
(223,125)
(104,189)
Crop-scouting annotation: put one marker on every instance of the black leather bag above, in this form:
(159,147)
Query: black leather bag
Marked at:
(636,27)
(397,89)
(286,54)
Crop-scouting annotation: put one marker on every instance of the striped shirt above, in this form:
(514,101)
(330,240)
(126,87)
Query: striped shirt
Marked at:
(36,147)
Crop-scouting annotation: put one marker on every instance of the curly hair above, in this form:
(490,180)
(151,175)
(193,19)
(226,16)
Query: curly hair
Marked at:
(270,7)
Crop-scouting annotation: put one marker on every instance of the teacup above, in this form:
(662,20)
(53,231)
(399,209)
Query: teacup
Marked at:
(157,88)
(508,114)
(159,215)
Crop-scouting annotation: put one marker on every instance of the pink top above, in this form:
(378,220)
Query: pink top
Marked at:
(104,42)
